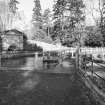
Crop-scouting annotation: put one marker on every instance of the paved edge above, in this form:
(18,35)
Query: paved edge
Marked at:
(97,93)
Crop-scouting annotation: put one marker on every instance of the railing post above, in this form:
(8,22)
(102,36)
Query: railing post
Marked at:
(92,65)
(85,61)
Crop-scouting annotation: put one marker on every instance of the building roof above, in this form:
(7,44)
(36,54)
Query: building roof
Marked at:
(13,31)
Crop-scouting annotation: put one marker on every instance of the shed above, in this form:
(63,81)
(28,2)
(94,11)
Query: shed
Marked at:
(13,38)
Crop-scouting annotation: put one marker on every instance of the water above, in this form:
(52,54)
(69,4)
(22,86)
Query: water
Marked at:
(26,63)
(26,87)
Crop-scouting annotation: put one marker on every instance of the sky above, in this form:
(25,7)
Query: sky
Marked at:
(27,6)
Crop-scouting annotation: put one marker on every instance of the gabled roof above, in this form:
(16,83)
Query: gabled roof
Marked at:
(13,31)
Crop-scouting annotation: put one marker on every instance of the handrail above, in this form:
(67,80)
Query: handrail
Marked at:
(99,76)
(100,65)
(92,71)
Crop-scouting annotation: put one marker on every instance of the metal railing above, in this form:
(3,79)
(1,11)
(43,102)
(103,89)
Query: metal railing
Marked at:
(92,68)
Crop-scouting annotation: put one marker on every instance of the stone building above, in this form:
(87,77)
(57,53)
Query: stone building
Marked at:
(13,39)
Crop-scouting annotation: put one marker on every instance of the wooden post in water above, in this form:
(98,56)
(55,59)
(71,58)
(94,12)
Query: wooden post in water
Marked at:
(72,54)
(36,61)
(60,58)
(77,58)
(36,55)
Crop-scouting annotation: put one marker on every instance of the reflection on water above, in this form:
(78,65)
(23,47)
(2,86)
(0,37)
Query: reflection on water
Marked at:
(28,84)
(13,62)
(27,63)
(22,87)
(26,73)
(13,83)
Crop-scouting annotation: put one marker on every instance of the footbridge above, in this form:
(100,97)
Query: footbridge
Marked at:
(68,51)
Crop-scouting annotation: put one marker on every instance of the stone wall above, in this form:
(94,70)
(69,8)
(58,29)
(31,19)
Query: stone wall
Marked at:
(15,40)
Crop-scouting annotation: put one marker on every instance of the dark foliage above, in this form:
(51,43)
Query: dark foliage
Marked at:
(67,13)
(12,48)
(94,38)
(32,47)
(13,6)
(37,12)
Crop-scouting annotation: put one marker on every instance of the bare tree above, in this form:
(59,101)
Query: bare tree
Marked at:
(3,15)
(96,9)
(7,14)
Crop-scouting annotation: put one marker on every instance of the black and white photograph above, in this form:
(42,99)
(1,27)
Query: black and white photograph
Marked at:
(52,52)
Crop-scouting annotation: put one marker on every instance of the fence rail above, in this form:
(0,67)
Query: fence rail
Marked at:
(93,50)
(92,69)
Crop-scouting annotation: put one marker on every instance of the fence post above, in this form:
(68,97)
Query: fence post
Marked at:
(92,65)
(85,61)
